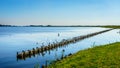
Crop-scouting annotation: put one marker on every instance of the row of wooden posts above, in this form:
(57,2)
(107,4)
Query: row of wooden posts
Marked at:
(37,50)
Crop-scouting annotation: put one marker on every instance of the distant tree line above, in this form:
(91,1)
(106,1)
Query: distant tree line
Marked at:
(1,25)
(6,25)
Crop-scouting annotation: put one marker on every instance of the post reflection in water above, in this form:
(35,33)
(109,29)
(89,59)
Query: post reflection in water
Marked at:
(42,53)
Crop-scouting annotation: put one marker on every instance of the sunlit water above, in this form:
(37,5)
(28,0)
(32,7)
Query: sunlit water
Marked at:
(16,39)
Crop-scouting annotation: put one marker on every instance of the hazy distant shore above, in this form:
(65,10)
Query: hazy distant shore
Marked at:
(106,26)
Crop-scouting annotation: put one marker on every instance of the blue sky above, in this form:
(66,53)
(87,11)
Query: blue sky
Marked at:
(60,12)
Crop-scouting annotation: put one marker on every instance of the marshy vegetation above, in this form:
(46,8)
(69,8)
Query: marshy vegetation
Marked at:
(105,56)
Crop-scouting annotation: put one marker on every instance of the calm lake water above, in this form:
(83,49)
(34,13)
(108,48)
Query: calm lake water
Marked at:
(16,39)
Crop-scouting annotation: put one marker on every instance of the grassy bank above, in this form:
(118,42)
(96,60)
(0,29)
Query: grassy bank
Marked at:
(106,56)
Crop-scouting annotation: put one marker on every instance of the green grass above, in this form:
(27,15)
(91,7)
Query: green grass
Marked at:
(112,26)
(105,56)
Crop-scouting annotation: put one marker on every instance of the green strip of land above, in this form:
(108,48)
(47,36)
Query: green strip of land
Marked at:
(105,56)
(115,27)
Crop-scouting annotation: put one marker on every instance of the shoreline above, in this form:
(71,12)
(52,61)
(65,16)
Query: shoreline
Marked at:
(97,56)
(104,26)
